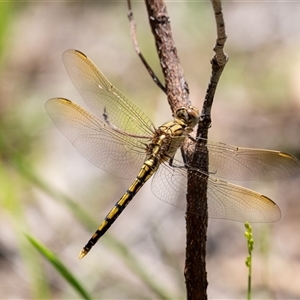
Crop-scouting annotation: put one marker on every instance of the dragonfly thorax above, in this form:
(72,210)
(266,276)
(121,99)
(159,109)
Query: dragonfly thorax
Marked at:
(187,116)
(170,136)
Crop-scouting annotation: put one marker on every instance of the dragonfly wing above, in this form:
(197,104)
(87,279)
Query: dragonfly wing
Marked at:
(169,184)
(229,201)
(110,150)
(237,163)
(108,103)
(225,200)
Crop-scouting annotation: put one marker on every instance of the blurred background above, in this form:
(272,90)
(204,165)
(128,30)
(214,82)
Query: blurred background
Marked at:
(47,189)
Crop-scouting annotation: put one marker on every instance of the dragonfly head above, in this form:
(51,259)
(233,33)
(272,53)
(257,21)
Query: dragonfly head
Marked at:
(188,116)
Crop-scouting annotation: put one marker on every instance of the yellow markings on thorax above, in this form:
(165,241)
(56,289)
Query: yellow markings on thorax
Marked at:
(172,128)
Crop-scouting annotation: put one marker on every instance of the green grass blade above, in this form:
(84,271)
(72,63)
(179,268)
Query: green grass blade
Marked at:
(59,266)
(250,244)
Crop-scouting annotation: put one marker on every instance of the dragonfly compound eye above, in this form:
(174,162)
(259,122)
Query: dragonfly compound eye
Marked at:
(188,115)
(193,116)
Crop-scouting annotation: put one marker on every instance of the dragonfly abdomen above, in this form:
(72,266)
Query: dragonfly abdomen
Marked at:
(147,170)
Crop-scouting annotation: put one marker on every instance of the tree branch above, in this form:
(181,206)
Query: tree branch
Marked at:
(218,63)
(175,84)
(197,209)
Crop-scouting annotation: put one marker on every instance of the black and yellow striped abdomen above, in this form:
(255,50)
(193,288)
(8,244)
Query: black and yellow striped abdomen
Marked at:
(165,142)
(147,170)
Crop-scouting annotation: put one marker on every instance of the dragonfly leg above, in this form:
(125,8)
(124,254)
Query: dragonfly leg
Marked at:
(193,139)
(183,156)
(171,161)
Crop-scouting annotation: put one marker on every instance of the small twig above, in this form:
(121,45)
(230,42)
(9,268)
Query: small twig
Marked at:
(218,63)
(137,49)
(221,57)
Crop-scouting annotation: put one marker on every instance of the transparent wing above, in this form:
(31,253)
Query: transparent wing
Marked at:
(108,149)
(237,163)
(169,184)
(225,200)
(229,201)
(103,98)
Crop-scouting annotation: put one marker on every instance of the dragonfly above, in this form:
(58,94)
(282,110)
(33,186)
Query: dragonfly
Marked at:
(120,139)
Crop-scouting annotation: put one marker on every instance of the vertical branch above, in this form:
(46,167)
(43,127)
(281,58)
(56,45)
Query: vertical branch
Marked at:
(197,209)
(196,231)
(175,84)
